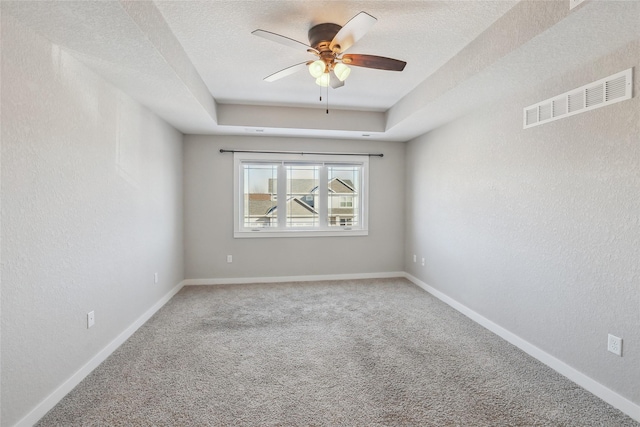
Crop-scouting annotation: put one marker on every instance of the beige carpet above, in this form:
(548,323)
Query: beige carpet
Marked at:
(351,353)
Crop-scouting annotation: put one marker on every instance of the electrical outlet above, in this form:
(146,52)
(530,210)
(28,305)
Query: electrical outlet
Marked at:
(614,345)
(155,277)
(415,258)
(423,262)
(229,259)
(91,319)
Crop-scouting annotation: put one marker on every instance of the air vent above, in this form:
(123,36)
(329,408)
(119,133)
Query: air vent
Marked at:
(595,95)
(545,111)
(612,89)
(531,116)
(576,101)
(559,107)
(615,88)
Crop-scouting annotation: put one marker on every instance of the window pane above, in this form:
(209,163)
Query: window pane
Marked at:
(302,195)
(260,195)
(293,195)
(344,196)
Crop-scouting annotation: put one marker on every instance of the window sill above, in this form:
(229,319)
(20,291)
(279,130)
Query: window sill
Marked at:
(261,233)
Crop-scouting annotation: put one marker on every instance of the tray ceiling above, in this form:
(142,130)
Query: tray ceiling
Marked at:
(197,65)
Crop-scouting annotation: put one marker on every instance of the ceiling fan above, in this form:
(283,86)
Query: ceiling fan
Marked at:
(329,42)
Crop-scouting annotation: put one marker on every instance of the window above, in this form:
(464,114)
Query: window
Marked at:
(293,195)
(346,202)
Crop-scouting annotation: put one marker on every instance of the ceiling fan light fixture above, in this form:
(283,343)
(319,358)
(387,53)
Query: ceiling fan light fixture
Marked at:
(317,68)
(323,80)
(341,71)
(328,42)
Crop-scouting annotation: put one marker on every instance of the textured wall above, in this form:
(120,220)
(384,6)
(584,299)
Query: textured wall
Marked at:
(209,216)
(91,208)
(537,229)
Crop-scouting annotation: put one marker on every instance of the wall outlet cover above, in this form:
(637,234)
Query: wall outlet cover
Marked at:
(91,319)
(614,344)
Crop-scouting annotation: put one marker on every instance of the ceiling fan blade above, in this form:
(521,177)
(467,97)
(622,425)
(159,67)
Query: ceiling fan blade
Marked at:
(373,61)
(334,81)
(353,31)
(282,40)
(286,72)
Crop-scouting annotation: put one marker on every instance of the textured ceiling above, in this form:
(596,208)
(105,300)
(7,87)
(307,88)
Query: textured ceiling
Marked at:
(233,62)
(197,65)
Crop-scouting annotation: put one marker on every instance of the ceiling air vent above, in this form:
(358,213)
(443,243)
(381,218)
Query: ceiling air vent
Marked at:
(612,89)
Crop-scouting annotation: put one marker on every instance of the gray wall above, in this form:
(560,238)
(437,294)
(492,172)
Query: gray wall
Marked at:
(537,230)
(91,208)
(209,216)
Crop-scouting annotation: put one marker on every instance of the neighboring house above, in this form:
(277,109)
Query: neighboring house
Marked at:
(261,208)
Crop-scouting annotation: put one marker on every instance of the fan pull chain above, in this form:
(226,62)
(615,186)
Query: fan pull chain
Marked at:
(327,99)
(320,93)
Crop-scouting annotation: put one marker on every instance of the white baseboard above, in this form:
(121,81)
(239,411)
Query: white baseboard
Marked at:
(244,280)
(50,401)
(604,393)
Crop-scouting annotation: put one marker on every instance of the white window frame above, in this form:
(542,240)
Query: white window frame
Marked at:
(240,231)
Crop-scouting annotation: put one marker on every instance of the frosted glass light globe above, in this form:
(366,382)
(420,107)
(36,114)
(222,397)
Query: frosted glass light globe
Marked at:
(323,80)
(341,71)
(316,68)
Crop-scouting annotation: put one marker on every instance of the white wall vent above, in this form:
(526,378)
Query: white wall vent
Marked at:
(612,89)
(576,101)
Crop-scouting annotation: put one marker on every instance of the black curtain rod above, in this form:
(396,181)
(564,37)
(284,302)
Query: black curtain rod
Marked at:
(222,150)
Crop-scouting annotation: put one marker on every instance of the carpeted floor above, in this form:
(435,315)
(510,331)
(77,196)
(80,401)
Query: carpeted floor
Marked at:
(351,353)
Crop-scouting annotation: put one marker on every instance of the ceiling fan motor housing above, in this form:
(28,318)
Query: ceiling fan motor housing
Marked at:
(323,34)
